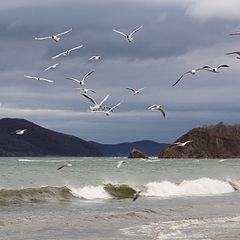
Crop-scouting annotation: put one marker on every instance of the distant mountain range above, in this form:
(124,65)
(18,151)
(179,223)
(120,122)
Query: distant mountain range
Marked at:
(148,147)
(39,141)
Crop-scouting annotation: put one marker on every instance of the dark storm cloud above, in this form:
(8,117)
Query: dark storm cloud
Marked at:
(171,42)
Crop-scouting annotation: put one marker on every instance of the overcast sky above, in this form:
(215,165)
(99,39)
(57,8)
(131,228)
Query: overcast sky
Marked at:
(177,36)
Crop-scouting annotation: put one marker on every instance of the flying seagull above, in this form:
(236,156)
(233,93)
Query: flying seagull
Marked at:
(237,53)
(39,78)
(86,90)
(156,108)
(94,58)
(67,52)
(65,165)
(55,37)
(51,67)
(136,195)
(235,33)
(120,163)
(193,72)
(111,108)
(20,131)
(128,37)
(214,69)
(135,92)
(182,144)
(81,82)
(96,106)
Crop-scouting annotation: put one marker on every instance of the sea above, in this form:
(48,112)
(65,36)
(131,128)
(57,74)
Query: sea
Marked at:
(187,199)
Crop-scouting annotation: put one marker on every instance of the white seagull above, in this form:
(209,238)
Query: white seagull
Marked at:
(94,58)
(86,90)
(39,78)
(67,52)
(235,33)
(193,72)
(128,37)
(156,107)
(214,69)
(20,131)
(120,163)
(96,106)
(136,195)
(65,165)
(111,108)
(182,144)
(135,92)
(81,82)
(237,53)
(51,67)
(55,37)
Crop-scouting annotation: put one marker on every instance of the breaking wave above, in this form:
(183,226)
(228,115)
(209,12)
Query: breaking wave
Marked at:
(201,187)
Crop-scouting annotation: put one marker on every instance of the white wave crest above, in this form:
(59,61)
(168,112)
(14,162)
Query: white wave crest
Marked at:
(90,192)
(202,186)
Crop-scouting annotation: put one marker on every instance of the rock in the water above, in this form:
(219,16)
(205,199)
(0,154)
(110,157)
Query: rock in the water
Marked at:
(135,153)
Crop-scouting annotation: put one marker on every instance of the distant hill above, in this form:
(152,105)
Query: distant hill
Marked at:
(150,148)
(216,141)
(39,141)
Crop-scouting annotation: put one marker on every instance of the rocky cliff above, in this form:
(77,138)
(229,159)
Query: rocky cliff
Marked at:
(135,153)
(217,141)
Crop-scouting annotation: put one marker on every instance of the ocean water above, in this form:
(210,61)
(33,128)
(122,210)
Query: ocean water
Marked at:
(180,199)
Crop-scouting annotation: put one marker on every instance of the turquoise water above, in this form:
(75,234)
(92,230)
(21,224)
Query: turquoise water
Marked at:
(180,199)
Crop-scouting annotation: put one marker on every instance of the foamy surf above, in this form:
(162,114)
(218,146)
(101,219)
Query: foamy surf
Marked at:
(90,192)
(202,186)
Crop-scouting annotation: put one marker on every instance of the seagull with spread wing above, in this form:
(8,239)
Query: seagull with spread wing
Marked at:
(108,112)
(39,78)
(67,52)
(128,37)
(193,72)
(214,69)
(96,107)
(135,92)
(236,52)
(81,82)
(157,108)
(55,37)
(51,67)
(182,144)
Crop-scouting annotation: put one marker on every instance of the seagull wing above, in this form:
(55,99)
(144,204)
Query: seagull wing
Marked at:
(75,48)
(235,33)
(111,109)
(51,67)
(60,54)
(162,111)
(207,67)
(46,80)
(42,38)
(90,98)
(134,31)
(73,79)
(140,89)
(153,106)
(26,76)
(125,35)
(229,53)
(61,167)
(119,164)
(104,100)
(91,90)
(89,73)
(131,89)
(189,141)
(222,65)
(180,78)
(60,34)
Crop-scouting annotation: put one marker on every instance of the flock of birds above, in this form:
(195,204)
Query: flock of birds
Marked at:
(100,107)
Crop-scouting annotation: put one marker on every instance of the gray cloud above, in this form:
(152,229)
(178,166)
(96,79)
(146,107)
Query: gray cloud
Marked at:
(171,42)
